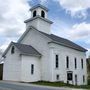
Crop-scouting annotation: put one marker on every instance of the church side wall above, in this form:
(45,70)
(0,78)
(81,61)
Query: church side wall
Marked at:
(12,66)
(62,70)
(26,74)
(40,43)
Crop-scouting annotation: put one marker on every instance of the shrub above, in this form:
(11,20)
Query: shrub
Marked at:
(88,81)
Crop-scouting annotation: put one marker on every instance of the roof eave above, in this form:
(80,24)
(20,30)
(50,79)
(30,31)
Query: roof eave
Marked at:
(24,34)
(5,52)
(31,19)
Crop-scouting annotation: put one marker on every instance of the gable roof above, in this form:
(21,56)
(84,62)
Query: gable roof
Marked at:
(57,40)
(24,49)
(64,42)
(38,5)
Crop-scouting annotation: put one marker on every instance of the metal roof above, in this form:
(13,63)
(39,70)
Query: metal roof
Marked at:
(27,49)
(24,49)
(64,42)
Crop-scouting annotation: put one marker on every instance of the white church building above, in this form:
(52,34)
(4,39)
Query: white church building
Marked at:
(41,56)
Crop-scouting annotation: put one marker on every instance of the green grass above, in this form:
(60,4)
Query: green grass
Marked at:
(57,84)
(60,84)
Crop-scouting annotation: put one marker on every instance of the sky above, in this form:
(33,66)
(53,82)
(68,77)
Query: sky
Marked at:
(71,20)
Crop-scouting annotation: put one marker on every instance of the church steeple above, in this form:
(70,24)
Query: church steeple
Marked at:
(39,19)
(39,10)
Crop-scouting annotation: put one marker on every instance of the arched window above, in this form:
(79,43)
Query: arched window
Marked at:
(12,50)
(34,13)
(43,14)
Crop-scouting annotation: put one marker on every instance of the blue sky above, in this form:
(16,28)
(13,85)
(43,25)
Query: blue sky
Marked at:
(71,19)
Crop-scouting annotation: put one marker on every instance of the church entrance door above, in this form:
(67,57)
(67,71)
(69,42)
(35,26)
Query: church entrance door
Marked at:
(69,77)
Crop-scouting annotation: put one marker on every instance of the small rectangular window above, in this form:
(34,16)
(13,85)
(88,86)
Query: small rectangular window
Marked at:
(57,77)
(32,69)
(57,61)
(75,63)
(82,63)
(83,78)
(75,79)
(67,62)
(12,50)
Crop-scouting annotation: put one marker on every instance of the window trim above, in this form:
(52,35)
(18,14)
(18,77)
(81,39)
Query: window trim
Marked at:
(34,13)
(75,61)
(83,78)
(76,79)
(43,14)
(32,69)
(69,75)
(56,61)
(57,77)
(67,62)
(12,50)
(82,63)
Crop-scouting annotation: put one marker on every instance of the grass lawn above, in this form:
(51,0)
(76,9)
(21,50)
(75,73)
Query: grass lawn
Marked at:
(60,84)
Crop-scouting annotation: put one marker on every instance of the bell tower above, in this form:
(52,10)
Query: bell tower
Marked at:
(39,19)
(39,10)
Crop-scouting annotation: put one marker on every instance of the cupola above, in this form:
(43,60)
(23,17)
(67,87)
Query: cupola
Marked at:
(39,10)
(39,19)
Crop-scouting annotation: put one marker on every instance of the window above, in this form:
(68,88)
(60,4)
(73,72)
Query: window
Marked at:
(12,50)
(75,63)
(67,62)
(32,69)
(34,13)
(75,79)
(82,63)
(83,78)
(43,14)
(57,65)
(57,77)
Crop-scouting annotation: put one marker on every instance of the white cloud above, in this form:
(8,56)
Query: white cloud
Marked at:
(76,8)
(12,16)
(80,31)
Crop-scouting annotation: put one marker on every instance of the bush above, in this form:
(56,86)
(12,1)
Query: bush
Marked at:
(88,81)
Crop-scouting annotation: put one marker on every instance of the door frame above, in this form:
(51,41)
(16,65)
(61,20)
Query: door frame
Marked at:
(70,72)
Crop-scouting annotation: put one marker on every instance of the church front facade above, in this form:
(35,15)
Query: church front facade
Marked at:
(41,56)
